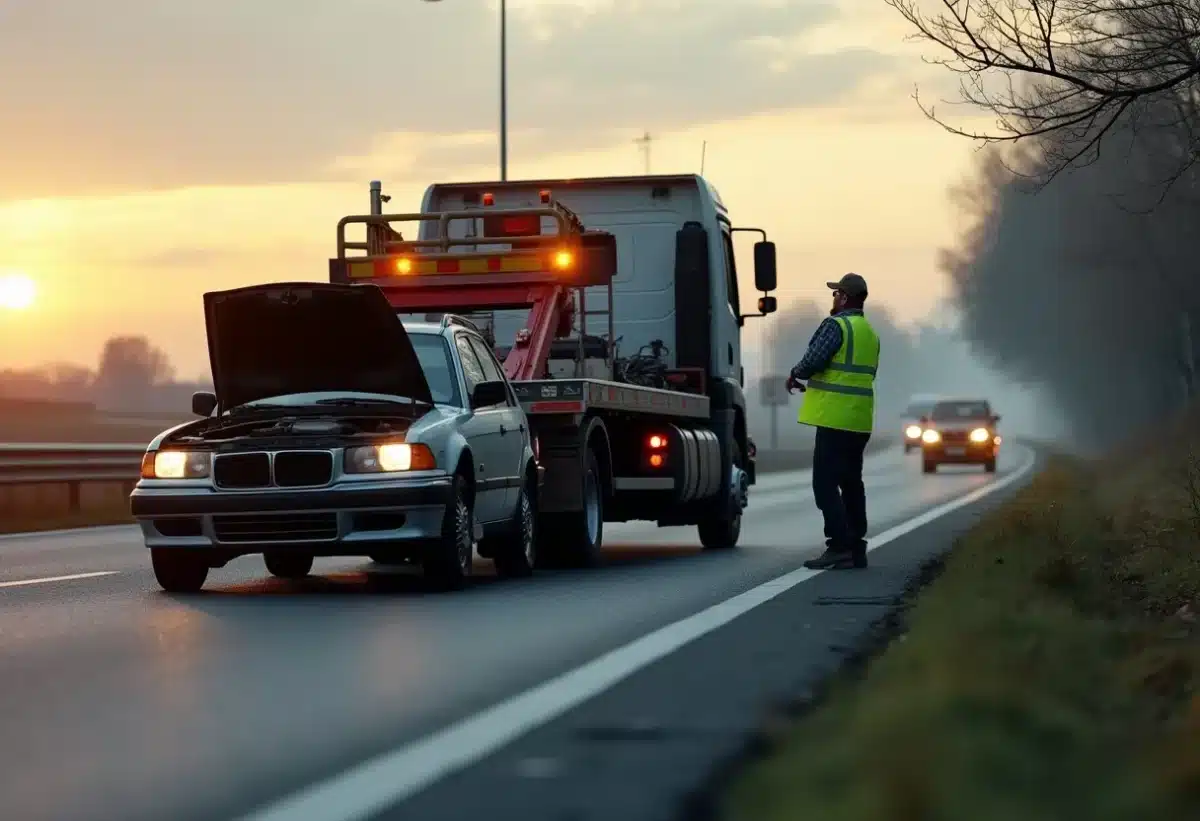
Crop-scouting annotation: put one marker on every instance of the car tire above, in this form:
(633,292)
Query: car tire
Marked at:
(179,571)
(288,565)
(575,539)
(722,530)
(515,552)
(447,563)
(990,466)
(929,466)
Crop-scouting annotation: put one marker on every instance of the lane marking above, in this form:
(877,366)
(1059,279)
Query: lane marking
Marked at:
(48,579)
(380,783)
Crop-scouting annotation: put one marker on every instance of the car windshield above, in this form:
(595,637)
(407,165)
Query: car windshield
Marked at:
(438,366)
(918,409)
(948,411)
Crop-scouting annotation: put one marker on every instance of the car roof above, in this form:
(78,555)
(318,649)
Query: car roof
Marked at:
(423,327)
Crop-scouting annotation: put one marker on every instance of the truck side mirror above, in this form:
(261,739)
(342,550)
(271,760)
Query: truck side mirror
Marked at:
(767,305)
(764,266)
(204,403)
(487,394)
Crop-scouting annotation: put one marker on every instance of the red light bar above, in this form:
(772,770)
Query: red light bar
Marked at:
(512,226)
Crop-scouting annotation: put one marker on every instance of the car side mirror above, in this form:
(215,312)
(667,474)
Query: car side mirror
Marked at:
(204,403)
(764,266)
(487,394)
(924,420)
(995,418)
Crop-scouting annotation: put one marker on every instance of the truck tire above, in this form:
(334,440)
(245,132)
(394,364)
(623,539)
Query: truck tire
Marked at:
(723,529)
(574,539)
(515,552)
(447,562)
(287,565)
(179,571)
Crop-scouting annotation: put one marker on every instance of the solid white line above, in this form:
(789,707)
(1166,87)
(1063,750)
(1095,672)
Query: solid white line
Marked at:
(382,782)
(49,579)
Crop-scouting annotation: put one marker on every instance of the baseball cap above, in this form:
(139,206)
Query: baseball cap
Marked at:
(851,285)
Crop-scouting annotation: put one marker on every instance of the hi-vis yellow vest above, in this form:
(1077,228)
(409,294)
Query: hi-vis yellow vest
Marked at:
(843,395)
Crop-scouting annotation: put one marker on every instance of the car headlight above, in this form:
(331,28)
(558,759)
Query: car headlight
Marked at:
(913,431)
(931,436)
(395,457)
(980,435)
(176,464)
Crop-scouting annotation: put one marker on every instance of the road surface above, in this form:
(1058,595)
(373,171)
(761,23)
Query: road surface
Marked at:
(121,703)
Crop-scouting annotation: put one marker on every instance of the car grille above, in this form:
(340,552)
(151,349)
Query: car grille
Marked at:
(282,527)
(242,470)
(303,468)
(955,437)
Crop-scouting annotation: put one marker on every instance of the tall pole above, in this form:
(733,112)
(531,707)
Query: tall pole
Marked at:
(503,91)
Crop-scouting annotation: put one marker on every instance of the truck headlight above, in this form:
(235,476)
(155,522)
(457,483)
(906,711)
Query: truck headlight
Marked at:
(980,435)
(394,457)
(931,436)
(176,464)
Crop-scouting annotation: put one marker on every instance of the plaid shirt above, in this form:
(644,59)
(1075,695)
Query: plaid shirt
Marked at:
(823,346)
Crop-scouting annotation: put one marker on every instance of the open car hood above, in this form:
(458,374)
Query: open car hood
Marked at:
(301,337)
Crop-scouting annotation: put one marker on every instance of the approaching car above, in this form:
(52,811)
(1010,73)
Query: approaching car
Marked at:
(337,430)
(919,406)
(960,432)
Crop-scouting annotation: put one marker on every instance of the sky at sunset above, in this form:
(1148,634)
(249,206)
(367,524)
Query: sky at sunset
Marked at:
(153,150)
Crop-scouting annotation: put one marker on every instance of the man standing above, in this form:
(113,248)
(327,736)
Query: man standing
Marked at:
(839,402)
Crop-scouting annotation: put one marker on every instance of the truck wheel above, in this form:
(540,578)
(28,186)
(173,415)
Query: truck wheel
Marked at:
(928,467)
(447,563)
(723,529)
(287,565)
(574,539)
(179,571)
(515,552)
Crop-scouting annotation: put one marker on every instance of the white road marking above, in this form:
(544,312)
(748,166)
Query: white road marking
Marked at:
(380,783)
(47,580)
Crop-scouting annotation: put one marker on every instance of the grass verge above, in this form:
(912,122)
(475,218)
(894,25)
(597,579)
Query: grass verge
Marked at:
(1052,671)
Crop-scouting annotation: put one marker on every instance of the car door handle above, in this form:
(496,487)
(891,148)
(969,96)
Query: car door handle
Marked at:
(503,430)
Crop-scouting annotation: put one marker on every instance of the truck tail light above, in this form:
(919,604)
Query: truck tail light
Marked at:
(656,447)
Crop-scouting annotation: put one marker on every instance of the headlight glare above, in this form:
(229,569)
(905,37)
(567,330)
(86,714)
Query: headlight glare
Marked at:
(931,436)
(913,431)
(390,457)
(980,435)
(175,464)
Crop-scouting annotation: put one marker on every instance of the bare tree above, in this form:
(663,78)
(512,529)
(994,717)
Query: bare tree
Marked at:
(1064,73)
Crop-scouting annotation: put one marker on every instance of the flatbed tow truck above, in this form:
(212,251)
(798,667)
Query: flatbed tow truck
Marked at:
(659,437)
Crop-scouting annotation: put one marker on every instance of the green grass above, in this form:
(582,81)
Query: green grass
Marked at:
(1052,671)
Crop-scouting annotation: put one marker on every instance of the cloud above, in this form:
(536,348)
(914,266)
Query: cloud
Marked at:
(130,95)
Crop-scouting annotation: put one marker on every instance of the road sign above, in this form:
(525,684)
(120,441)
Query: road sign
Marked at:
(772,390)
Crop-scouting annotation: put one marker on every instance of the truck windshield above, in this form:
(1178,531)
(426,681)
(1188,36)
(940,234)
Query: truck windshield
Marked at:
(961,410)
(435,361)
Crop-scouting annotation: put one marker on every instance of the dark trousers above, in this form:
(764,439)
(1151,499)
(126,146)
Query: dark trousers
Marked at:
(837,478)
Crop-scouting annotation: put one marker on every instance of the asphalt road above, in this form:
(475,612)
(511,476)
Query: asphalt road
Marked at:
(121,703)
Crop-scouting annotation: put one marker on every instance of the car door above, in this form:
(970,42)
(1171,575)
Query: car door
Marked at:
(513,433)
(482,432)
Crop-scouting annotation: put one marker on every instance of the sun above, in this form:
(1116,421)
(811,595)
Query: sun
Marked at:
(17,292)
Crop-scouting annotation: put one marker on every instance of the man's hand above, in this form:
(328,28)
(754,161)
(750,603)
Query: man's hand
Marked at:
(794,384)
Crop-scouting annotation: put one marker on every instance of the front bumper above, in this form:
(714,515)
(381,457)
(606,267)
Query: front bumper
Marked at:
(349,519)
(960,453)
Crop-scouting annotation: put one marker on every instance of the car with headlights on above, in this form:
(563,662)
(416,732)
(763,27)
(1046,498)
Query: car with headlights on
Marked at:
(336,429)
(919,406)
(959,432)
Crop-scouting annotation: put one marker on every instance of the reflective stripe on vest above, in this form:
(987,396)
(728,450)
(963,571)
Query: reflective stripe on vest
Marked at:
(843,395)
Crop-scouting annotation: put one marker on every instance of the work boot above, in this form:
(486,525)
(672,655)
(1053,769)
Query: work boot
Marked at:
(858,555)
(834,558)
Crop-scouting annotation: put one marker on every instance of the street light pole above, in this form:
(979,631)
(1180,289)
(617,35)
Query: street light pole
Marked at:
(503,88)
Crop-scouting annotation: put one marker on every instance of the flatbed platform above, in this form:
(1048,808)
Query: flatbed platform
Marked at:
(548,396)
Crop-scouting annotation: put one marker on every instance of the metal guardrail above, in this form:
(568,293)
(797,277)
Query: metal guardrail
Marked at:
(70,464)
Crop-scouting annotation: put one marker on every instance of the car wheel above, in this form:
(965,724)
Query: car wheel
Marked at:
(287,565)
(515,553)
(928,466)
(990,466)
(447,563)
(179,571)
(722,530)
(575,539)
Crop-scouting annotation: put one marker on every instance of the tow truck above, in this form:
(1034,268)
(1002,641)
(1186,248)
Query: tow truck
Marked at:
(659,434)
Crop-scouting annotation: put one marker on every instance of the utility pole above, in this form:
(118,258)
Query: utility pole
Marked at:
(643,143)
